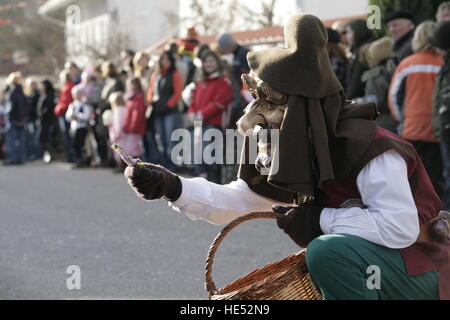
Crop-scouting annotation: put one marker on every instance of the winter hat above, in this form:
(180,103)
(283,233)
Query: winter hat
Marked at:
(303,67)
(400,14)
(441,37)
(226,42)
(191,32)
(378,51)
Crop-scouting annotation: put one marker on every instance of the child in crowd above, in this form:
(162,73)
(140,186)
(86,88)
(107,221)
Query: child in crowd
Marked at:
(116,133)
(65,99)
(46,115)
(209,101)
(78,115)
(129,123)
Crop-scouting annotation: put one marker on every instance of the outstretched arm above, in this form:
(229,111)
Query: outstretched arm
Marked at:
(198,198)
(218,204)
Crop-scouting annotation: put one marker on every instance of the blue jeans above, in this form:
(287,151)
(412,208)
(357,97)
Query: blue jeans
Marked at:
(445,151)
(45,136)
(16,144)
(32,141)
(64,126)
(212,171)
(151,152)
(165,125)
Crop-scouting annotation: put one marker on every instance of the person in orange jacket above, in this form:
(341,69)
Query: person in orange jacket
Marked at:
(411,99)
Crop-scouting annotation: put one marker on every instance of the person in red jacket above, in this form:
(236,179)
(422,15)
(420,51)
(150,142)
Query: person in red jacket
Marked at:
(65,99)
(209,100)
(135,123)
(65,96)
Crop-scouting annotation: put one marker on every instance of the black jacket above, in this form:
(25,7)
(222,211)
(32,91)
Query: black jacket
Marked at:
(356,68)
(402,47)
(18,114)
(33,100)
(45,109)
(112,84)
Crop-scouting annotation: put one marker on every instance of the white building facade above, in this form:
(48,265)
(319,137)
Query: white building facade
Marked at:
(332,9)
(283,10)
(93,25)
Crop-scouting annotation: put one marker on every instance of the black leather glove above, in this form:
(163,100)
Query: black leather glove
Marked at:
(300,223)
(152,182)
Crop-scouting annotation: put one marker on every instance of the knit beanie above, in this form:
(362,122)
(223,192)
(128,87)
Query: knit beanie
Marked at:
(400,14)
(226,42)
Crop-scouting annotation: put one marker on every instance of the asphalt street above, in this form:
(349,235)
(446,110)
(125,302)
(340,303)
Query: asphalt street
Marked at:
(53,217)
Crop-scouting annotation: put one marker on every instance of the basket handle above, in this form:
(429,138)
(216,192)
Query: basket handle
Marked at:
(209,283)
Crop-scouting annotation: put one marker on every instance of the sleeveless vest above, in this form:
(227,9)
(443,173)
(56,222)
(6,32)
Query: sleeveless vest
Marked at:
(164,90)
(419,257)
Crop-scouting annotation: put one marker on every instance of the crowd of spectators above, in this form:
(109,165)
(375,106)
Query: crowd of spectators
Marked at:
(140,101)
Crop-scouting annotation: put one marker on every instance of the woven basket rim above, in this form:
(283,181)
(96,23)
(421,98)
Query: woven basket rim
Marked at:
(284,279)
(287,263)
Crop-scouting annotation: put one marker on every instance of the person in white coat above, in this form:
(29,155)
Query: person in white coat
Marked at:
(78,115)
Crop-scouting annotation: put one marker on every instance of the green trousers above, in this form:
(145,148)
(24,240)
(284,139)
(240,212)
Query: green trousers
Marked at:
(351,268)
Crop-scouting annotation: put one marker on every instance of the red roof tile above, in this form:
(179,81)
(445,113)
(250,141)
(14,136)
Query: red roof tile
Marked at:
(264,35)
(268,35)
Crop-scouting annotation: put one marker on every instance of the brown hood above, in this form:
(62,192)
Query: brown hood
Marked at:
(321,141)
(322,138)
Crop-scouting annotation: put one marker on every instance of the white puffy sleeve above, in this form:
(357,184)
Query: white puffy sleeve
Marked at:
(218,204)
(391,218)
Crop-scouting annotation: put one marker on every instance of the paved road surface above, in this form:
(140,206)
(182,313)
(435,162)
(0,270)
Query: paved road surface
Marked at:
(52,217)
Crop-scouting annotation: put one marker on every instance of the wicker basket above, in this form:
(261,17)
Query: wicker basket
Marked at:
(286,279)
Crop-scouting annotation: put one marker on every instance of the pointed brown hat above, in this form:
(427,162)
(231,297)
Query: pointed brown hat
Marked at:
(303,67)
(322,138)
